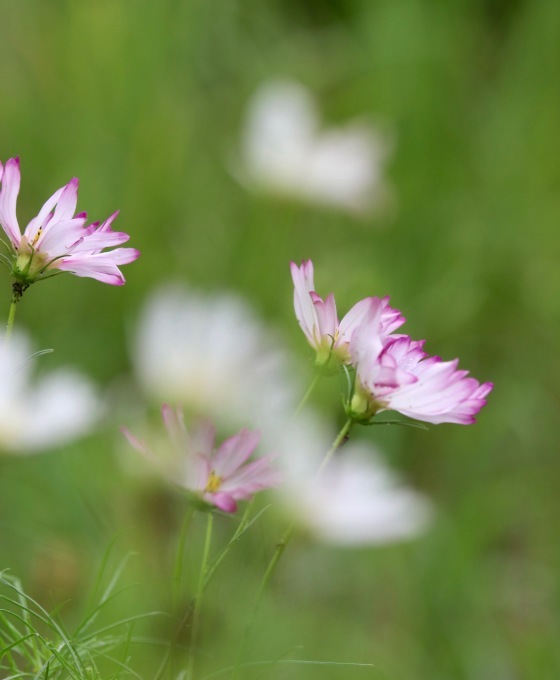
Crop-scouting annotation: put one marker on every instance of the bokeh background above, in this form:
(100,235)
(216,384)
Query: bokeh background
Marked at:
(146,102)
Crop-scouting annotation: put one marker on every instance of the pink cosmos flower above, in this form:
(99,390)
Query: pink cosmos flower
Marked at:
(400,376)
(318,318)
(219,477)
(56,239)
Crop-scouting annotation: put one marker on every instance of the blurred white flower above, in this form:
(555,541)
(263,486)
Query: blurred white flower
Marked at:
(209,354)
(57,408)
(357,499)
(284,151)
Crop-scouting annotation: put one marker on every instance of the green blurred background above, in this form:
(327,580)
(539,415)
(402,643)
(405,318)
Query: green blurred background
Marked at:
(144,101)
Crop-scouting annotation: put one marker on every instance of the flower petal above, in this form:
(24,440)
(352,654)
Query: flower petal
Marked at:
(234,452)
(100,266)
(10,178)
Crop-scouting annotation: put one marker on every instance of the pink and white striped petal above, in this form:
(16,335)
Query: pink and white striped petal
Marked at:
(56,238)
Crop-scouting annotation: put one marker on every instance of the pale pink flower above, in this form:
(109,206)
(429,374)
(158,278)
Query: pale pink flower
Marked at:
(219,477)
(402,377)
(56,239)
(319,321)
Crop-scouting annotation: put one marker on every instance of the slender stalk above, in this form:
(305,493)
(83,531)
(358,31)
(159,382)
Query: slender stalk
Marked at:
(11,319)
(340,438)
(309,392)
(281,547)
(198,597)
(323,370)
(180,559)
(278,552)
(238,532)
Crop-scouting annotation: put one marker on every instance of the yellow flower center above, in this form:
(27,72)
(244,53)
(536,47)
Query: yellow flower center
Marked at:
(214,482)
(37,236)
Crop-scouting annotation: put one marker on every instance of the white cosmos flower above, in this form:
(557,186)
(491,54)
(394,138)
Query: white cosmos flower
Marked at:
(285,151)
(211,355)
(357,499)
(52,411)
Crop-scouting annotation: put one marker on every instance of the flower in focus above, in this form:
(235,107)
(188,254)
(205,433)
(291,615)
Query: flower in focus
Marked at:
(219,477)
(402,377)
(356,500)
(58,408)
(285,152)
(319,321)
(56,239)
(212,355)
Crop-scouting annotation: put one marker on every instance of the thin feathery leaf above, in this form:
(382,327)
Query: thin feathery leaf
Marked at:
(244,526)
(14,645)
(116,624)
(287,662)
(108,593)
(43,616)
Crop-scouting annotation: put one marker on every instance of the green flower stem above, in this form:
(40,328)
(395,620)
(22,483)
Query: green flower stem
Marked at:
(11,319)
(179,562)
(320,373)
(340,438)
(245,521)
(281,547)
(198,597)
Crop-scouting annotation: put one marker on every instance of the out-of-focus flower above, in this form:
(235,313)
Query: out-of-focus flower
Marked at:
(219,477)
(56,409)
(211,355)
(285,152)
(318,319)
(56,239)
(402,377)
(356,500)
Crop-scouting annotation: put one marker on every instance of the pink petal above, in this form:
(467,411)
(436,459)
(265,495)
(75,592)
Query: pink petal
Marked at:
(57,238)
(44,218)
(234,452)
(258,475)
(303,304)
(173,421)
(10,178)
(100,266)
(106,226)
(365,343)
(405,351)
(223,501)
(391,318)
(99,240)
(354,318)
(202,437)
(442,394)
(136,443)
(326,319)
(66,206)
